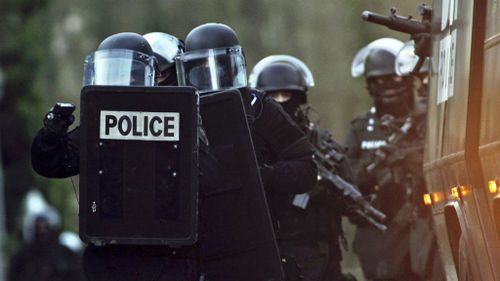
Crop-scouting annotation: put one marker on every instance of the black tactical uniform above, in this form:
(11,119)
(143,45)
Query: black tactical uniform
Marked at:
(287,169)
(366,135)
(55,154)
(310,232)
(282,149)
(398,186)
(384,256)
(279,143)
(283,152)
(43,257)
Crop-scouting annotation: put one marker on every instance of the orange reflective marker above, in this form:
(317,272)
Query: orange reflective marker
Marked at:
(492,186)
(427,199)
(454,193)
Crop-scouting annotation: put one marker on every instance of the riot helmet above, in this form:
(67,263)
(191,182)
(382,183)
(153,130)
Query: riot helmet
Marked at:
(285,84)
(40,221)
(298,64)
(124,59)
(213,59)
(391,92)
(280,77)
(166,48)
(358,63)
(285,78)
(379,62)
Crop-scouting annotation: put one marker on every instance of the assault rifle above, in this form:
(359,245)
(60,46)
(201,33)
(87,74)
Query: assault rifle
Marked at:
(327,158)
(351,195)
(397,152)
(420,31)
(403,24)
(393,139)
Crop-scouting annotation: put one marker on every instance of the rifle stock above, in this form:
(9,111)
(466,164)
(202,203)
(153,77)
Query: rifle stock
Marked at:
(327,154)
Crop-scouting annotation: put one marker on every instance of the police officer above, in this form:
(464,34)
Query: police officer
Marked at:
(43,257)
(424,256)
(383,256)
(166,48)
(287,79)
(212,62)
(55,153)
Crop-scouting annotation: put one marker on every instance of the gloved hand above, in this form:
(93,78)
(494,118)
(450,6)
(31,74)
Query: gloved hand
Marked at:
(351,212)
(355,218)
(57,121)
(422,44)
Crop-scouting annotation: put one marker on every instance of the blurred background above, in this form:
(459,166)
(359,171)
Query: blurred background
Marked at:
(43,44)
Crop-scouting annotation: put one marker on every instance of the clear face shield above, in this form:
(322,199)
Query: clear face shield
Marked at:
(119,67)
(406,60)
(166,48)
(212,70)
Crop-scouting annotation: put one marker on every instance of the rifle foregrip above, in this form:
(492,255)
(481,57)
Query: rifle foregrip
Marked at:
(374,212)
(380,226)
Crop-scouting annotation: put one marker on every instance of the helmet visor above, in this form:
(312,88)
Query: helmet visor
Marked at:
(213,69)
(406,60)
(119,67)
(166,48)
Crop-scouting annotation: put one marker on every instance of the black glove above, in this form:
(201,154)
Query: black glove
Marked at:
(351,212)
(422,44)
(355,218)
(58,119)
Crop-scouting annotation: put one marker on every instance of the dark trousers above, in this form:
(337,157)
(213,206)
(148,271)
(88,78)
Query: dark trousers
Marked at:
(122,263)
(319,261)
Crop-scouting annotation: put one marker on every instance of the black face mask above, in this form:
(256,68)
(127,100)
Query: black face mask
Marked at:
(391,94)
(292,105)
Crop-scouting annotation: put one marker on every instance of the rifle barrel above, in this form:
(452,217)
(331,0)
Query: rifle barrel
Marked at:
(379,226)
(397,23)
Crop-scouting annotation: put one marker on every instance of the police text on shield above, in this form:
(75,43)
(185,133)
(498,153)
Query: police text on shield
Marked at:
(137,125)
